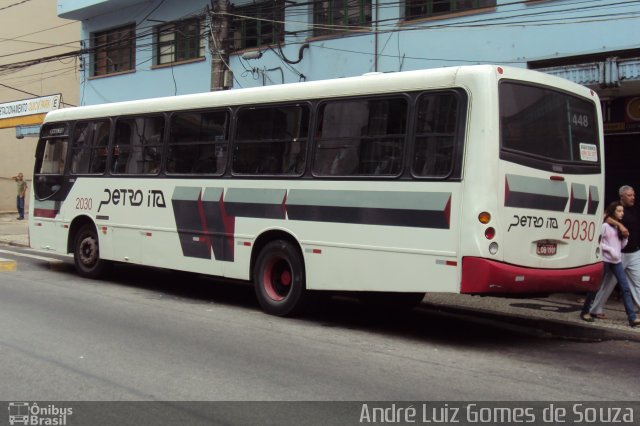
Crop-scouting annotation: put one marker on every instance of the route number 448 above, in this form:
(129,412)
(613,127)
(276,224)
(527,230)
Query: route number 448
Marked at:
(580,120)
(579,230)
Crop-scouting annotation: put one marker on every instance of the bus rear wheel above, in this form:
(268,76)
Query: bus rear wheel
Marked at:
(86,253)
(279,279)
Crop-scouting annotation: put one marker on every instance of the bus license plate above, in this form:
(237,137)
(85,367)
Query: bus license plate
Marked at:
(546,249)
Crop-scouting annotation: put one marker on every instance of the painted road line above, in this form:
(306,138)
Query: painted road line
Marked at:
(7,264)
(31,256)
(22,250)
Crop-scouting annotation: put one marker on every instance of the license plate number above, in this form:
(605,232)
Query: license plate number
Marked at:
(546,249)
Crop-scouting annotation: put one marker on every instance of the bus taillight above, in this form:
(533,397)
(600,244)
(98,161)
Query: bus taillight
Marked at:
(489,233)
(484,217)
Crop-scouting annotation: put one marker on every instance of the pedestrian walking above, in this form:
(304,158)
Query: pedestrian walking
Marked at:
(22,191)
(612,242)
(628,226)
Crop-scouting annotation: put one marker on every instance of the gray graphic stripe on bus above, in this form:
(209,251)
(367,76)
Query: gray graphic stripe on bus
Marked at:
(535,193)
(578,198)
(594,200)
(193,235)
(260,203)
(205,221)
(391,208)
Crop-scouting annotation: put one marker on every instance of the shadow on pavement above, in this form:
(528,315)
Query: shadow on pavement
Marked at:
(426,323)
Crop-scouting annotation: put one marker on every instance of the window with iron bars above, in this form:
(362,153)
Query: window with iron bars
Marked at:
(179,41)
(339,16)
(258,25)
(416,9)
(114,50)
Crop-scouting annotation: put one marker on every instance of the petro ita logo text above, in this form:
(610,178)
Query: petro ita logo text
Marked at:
(26,413)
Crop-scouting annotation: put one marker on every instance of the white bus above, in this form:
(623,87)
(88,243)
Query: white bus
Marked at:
(476,180)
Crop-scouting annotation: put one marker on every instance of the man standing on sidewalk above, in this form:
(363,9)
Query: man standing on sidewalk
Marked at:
(22,191)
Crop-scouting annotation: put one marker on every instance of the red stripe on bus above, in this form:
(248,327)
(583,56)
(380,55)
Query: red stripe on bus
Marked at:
(447,212)
(50,213)
(488,276)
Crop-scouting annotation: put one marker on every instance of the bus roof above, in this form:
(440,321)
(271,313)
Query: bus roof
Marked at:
(377,83)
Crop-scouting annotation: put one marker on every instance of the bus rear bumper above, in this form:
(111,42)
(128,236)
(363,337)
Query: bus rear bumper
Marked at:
(488,276)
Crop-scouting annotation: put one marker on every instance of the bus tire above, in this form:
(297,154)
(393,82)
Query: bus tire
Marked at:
(279,278)
(86,253)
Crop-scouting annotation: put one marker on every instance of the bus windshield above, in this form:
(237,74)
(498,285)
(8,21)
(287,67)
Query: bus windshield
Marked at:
(540,126)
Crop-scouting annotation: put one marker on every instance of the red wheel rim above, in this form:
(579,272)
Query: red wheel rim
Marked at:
(277,278)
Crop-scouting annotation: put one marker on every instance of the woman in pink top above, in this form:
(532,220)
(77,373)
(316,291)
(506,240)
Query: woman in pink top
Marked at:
(611,244)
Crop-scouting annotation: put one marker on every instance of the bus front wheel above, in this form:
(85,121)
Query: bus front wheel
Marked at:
(86,253)
(279,278)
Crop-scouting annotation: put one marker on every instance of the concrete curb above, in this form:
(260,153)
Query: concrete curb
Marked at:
(17,244)
(14,241)
(557,328)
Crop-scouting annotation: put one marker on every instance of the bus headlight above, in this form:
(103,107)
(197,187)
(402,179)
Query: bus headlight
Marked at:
(493,248)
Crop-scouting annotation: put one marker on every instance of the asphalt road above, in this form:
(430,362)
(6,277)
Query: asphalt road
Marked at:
(153,335)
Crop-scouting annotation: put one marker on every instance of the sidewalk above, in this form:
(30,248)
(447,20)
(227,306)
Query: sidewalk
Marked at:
(13,231)
(556,315)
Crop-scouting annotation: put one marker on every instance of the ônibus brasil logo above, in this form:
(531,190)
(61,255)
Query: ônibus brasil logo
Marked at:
(30,413)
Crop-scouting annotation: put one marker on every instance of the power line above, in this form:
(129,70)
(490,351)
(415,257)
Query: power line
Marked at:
(146,31)
(29,93)
(2,40)
(533,15)
(15,4)
(463,22)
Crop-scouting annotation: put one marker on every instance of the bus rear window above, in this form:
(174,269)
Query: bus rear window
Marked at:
(548,126)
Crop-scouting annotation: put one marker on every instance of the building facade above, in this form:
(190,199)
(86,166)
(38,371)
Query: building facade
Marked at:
(33,66)
(139,49)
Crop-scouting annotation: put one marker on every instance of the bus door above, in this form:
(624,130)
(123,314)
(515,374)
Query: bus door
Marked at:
(50,188)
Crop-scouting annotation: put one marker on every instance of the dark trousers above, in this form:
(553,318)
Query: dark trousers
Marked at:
(20,206)
(618,271)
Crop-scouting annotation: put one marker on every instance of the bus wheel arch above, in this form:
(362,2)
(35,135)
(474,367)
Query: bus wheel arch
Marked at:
(75,226)
(84,242)
(278,273)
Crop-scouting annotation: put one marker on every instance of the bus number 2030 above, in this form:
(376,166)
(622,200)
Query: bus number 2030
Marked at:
(83,203)
(579,230)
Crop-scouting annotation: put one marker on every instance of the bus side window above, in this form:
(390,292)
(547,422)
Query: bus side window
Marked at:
(89,147)
(436,121)
(337,152)
(138,145)
(198,142)
(361,138)
(101,133)
(121,147)
(271,140)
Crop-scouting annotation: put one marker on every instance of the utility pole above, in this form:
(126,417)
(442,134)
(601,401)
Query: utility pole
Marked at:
(219,41)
